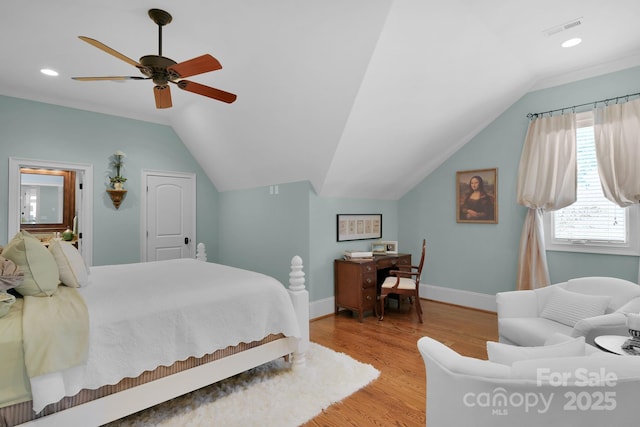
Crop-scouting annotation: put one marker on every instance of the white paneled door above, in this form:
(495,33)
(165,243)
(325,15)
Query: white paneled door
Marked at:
(170,216)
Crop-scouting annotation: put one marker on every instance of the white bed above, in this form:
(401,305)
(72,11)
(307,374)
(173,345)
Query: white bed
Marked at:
(149,315)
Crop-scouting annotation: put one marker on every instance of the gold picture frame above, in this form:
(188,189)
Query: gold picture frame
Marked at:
(477,196)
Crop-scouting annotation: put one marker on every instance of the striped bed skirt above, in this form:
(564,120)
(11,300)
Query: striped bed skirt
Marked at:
(22,412)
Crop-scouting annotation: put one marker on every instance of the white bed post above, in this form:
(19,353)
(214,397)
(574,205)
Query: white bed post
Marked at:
(300,299)
(201,252)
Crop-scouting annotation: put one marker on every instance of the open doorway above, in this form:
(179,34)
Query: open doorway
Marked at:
(69,202)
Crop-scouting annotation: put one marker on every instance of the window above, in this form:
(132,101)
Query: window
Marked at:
(592,223)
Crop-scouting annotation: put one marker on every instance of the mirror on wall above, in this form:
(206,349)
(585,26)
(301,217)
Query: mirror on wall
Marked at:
(48,196)
(47,200)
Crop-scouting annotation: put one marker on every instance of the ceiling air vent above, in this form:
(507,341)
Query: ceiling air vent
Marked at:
(560,28)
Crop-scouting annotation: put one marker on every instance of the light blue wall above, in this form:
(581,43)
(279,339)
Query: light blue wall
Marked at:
(47,132)
(483,257)
(261,232)
(325,248)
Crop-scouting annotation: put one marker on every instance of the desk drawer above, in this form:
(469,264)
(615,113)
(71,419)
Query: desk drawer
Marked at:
(369,267)
(369,280)
(393,262)
(369,296)
(385,263)
(404,260)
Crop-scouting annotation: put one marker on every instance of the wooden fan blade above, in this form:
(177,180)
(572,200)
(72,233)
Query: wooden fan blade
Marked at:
(211,92)
(110,51)
(163,96)
(90,79)
(199,65)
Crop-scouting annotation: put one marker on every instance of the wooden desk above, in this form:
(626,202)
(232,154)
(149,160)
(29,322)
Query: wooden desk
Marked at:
(356,283)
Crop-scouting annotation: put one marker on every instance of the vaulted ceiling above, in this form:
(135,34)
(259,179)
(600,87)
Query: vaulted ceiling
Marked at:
(327,90)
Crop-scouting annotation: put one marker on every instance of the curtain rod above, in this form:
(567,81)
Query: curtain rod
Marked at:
(572,108)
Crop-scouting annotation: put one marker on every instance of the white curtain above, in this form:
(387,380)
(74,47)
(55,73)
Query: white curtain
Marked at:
(617,137)
(546,182)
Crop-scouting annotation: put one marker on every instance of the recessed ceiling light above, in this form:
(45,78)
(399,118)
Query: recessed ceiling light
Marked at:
(572,42)
(49,72)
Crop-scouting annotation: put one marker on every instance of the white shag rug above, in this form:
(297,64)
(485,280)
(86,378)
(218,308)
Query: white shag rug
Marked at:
(273,394)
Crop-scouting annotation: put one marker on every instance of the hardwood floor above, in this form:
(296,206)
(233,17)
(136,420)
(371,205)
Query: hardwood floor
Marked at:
(398,396)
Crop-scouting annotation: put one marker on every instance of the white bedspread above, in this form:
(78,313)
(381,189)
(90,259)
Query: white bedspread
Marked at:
(149,314)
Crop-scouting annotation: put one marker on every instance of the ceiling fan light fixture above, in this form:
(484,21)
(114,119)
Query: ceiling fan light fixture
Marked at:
(571,42)
(162,70)
(49,72)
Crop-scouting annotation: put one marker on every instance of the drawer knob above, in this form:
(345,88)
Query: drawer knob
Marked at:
(369,280)
(368,297)
(368,268)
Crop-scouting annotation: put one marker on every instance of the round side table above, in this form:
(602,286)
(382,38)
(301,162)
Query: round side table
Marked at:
(613,344)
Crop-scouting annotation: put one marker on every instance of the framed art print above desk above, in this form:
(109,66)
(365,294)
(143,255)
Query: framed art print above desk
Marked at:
(358,227)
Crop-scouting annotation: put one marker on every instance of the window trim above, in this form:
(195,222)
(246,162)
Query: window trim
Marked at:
(631,247)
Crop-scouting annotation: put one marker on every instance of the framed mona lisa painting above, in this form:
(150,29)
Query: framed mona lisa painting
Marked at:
(477,196)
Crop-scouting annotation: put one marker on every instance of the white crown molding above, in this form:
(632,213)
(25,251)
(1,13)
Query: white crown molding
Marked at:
(585,73)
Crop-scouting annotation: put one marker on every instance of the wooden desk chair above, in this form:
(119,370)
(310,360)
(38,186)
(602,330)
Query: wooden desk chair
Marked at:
(404,282)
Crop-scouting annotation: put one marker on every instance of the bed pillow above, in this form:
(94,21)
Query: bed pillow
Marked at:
(41,276)
(568,307)
(507,354)
(73,271)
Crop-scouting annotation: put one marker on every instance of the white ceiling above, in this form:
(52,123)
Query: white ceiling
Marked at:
(327,90)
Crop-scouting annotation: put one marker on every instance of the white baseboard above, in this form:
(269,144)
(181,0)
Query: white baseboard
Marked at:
(459,297)
(470,299)
(321,307)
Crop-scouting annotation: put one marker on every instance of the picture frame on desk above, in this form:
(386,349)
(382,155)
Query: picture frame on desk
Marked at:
(391,247)
(385,247)
(358,227)
(379,248)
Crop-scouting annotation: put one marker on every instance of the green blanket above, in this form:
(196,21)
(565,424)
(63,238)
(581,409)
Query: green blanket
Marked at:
(55,332)
(14,383)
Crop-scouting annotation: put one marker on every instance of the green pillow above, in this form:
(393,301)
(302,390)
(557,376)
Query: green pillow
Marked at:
(41,276)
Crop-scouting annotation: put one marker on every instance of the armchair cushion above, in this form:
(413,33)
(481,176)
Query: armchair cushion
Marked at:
(454,361)
(529,331)
(404,282)
(568,307)
(508,354)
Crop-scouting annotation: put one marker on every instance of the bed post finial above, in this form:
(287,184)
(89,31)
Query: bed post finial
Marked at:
(300,299)
(201,252)
(296,277)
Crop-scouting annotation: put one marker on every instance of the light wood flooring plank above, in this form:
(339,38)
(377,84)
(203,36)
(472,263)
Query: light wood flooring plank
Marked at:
(398,396)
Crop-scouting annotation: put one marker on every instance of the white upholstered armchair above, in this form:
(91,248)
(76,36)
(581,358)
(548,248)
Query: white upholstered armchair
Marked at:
(594,390)
(586,306)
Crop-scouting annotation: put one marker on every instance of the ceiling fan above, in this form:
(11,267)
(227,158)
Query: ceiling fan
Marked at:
(163,70)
